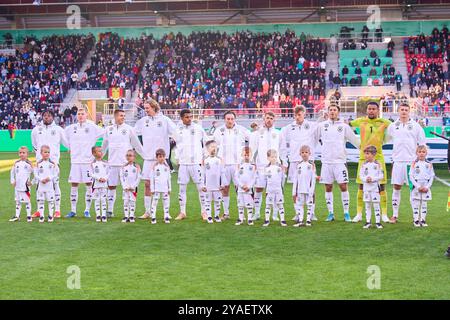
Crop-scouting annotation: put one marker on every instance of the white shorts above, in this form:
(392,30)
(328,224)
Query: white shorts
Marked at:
(400,173)
(331,172)
(114,176)
(45,196)
(228,175)
(274,198)
(215,196)
(147,169)
(80,173)
(371,196)
(261,179)
(416,195)
(245,199)
(129,195)
(22,196)
(292,171)
(99,193)
(194,171)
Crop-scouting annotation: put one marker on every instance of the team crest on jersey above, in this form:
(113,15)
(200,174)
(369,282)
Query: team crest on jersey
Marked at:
(158,172)
(274,135)
(374,167)
(40,130)
(417,170)
(307,126)
(366,171)
(147,122)
(410,127)
(97,170)
(134,170)
(125,174)
(159,124)
(86,130)
(235,131)
(41,170)
(124,131)
(207,166)
(340,129)
(309,167)
(326,125)
(53,132)
(278,170)
(192,132)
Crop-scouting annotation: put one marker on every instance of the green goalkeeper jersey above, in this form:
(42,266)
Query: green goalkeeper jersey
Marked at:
(372,132)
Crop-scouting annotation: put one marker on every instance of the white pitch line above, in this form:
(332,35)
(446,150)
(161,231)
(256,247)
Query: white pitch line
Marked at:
(442,181)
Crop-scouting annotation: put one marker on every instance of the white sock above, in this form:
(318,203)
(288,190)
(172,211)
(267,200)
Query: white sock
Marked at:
(423,211)
(51,208)
(41,208)
(217,208)
(275,212)
(368,211)
(329,201)
(201,197)
(104,200)
(241,213)
(345,196)
(111,199)
(395,202)
(132,208)
(226,205)
(377,210)
(18,208)
(148,204)
(88,198)
(281,212)
(300,209)
(258,203)
(97,207)
(309,213)
(267,213)
(73,198)
(155,201)
(250,213)
(126,208)
(416,209)
(182,198)
(166,205)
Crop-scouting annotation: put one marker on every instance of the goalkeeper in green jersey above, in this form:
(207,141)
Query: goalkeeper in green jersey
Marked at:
(372,130)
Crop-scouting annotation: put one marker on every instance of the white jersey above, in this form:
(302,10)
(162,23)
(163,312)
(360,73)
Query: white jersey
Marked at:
(304,180)
(230,143)
(81,138)
(421,174)
(405,138)
(160,179)
(130,176)
(374,171)
(190,141)
(263,140)
(275,179)
(212,172)
(100,170)
(155,132)
(21,175)
(246,176)
(46,169)
(293,137)
(334,136)
(118,139)
(52,136)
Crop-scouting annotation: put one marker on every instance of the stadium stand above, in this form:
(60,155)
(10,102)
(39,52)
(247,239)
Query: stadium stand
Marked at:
(39,75)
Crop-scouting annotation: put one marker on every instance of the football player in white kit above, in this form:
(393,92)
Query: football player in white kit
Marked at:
(261,141)
(118,138)
(21,181)
(130,176)
(52,135)
(213,171)
(303,186)
(161,185)
(230,139)
(334,134)
(371,173)
(190,138)
(155,129)
(45,173)
(81,137)
(245,178)
(421,175)
(100,174)
(406,135)
(293,136)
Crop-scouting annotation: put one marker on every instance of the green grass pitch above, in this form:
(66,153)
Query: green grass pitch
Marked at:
(193,260)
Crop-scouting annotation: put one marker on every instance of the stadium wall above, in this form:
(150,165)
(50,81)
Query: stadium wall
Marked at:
(322,30)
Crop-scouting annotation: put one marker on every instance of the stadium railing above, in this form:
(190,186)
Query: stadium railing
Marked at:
(358,36)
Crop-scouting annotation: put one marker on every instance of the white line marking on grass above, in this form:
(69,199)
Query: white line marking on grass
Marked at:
(442,181)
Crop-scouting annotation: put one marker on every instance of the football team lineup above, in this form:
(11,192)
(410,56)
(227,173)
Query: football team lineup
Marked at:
(259,164)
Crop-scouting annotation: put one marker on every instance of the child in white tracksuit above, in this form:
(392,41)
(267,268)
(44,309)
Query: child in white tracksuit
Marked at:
(303,187)
(160,185)
(245,178)
(21,180)
(130,176)
(274,188)
(100,173)
(370,174)
(421,175)
(45,173)
(213,169)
